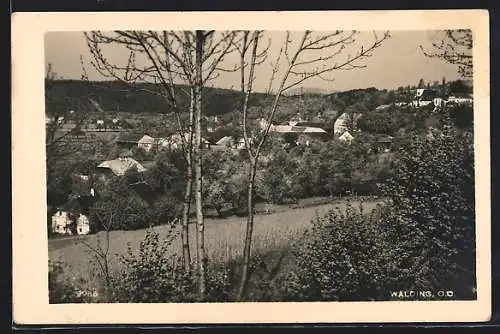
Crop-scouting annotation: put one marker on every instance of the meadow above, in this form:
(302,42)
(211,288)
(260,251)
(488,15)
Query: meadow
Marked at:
(224,238)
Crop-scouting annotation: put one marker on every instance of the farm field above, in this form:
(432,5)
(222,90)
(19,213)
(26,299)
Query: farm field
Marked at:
(223,237)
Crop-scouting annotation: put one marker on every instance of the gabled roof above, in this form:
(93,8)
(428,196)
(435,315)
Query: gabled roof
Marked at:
(296,129)
(131,137)
(121,165)
(225,140)
(311,124)
(345,116)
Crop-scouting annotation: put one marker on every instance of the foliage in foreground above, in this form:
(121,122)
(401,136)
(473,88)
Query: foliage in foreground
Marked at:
(152,275)
(423,239)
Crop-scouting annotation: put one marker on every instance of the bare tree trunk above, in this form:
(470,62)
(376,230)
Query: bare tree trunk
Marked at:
(198,168)
(189,186)
(249,230)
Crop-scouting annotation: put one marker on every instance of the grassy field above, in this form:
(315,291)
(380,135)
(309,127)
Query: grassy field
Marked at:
(223,237)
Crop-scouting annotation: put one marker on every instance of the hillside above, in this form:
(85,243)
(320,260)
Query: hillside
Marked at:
(113,96)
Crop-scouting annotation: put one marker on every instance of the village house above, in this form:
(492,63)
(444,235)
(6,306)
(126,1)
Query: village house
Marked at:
(424,97)
(226,141)
(345,122)
(296,127)
(175,141)
(240,144)
(144,141)
(457,99)
(64,222)
(118,167)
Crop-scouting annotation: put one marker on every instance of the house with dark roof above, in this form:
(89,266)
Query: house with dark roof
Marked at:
(131,140)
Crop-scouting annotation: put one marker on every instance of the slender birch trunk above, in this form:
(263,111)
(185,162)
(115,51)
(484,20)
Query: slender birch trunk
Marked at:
(249,230)
(188,190)
(198,159)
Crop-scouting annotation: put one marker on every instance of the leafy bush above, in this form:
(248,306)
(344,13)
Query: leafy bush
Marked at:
(121,203)
(342,257)
(153,275)
(423,238)
(432,213)
(380,122)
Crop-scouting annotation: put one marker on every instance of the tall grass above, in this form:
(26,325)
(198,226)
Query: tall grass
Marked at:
(223,239)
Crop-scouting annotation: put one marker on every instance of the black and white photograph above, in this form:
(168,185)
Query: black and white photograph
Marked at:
(266,166)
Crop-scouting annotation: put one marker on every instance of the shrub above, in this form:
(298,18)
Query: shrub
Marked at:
(423,238)
(432,211)
(151,275)
(154,275)
(341,258)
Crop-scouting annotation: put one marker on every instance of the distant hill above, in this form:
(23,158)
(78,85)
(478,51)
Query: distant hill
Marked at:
(113,96)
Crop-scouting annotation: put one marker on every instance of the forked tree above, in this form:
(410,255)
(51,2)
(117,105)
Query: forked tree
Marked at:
(300,58)
(169,59)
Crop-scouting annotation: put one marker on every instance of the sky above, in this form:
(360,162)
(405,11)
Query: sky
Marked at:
(399,61)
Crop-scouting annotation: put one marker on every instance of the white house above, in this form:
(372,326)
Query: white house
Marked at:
(342,125)
(460,100)
(240,145)
(143,141)
(438,102)
(82,224)
(146,142)
(49,120)
(175,141)
(61,223)
(424,97)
